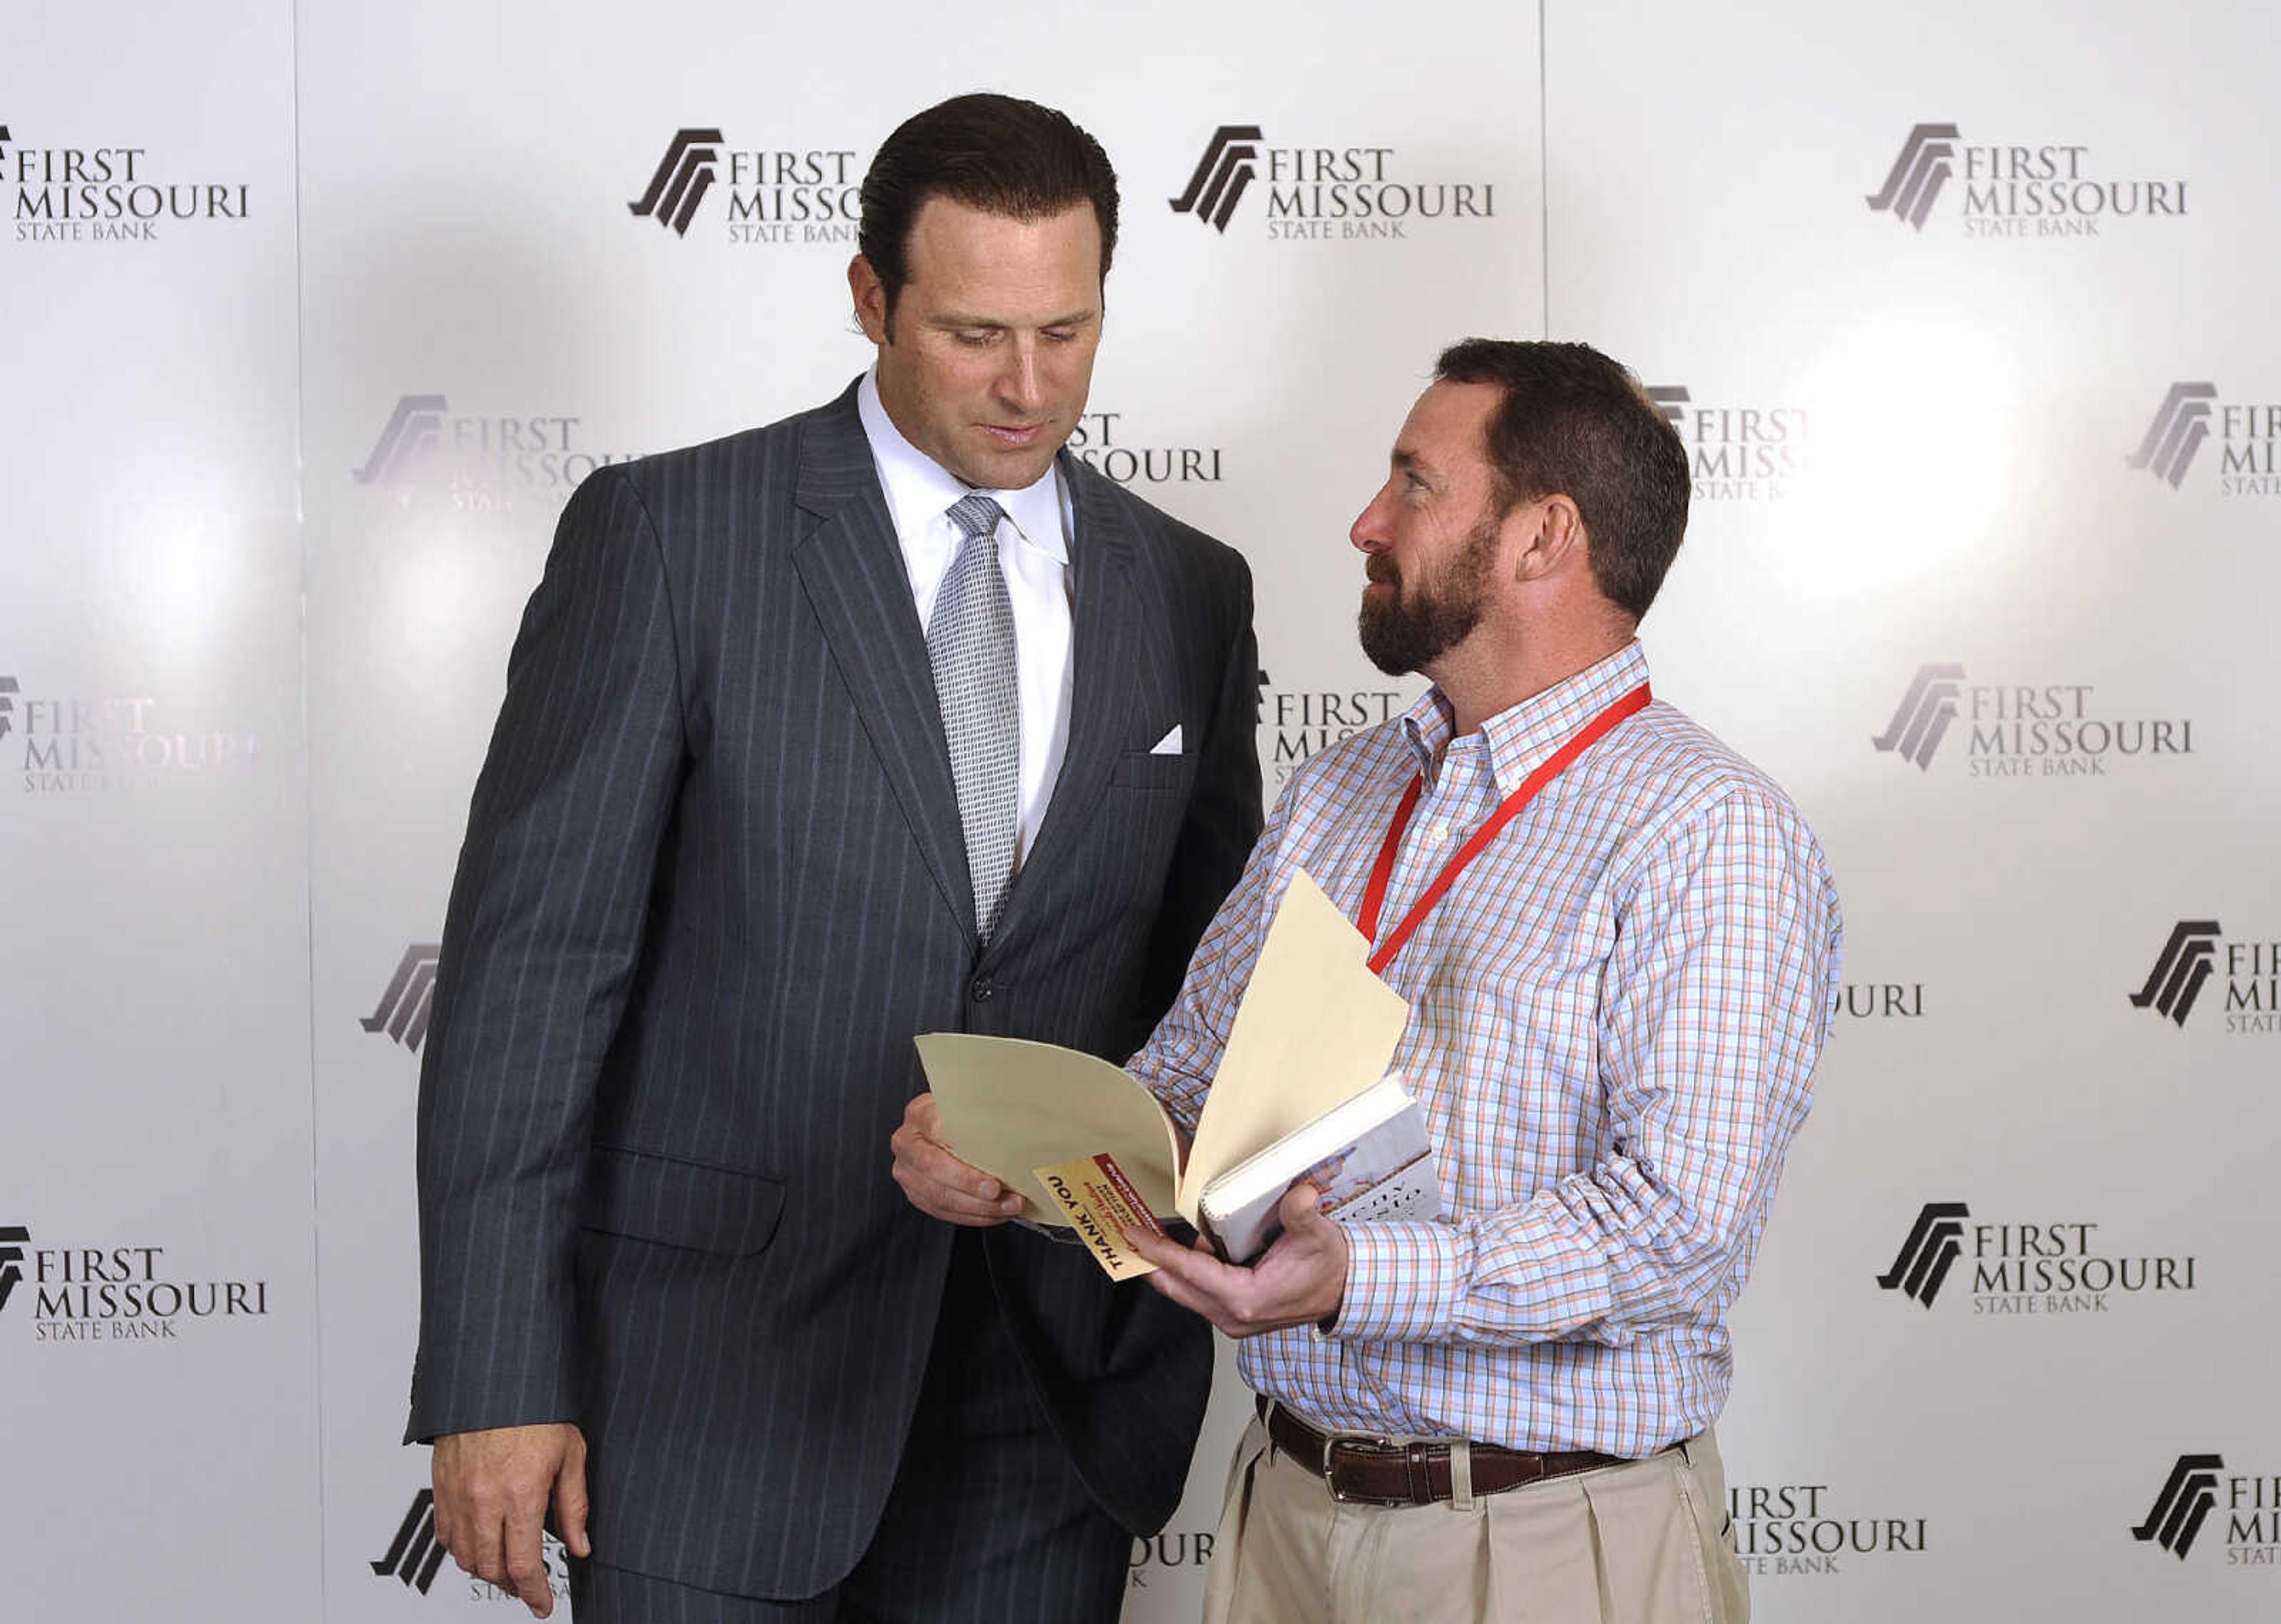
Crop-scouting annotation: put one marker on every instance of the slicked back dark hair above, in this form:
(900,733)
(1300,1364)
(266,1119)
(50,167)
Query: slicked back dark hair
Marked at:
(997,153)
(1574,422)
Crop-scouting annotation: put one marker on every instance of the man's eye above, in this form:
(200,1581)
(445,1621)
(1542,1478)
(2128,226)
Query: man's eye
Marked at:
(1061,335)
(973,337)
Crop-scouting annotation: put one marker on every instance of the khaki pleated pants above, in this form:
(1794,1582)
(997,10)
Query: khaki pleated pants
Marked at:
(1644,1543)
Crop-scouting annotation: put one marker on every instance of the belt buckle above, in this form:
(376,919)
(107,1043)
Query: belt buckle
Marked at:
(1332,1444)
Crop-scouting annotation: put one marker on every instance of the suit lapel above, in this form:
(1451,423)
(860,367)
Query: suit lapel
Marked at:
(852,569)
(1103,637)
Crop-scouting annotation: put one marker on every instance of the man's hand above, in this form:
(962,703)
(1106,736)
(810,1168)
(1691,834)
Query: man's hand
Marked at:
(937,1182)
(1301,1280)
(492,1494)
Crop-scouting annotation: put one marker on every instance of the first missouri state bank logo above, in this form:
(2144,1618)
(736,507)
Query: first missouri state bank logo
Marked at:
(2016,729)
(684,175)
(2189,1496)
(413,430)
(13,1239)
(110,193)
(1933,1246)
(783,195)
(1321,193)
(2193,1489)
(484,463)
(1921,721)
(404,1005)
(2040,1267)
(1736,452)
(2191,413)
(79,1296)
(2184,964)
(2014,189)
(415,1554)
(2195,952)
(1919,172)
(1223,174)
(72,745)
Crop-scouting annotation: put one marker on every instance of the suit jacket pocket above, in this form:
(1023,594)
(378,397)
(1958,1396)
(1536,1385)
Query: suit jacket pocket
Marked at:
(1151,771)
(725,1210)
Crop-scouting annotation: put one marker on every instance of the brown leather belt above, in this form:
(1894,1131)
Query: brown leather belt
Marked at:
(1371,1473)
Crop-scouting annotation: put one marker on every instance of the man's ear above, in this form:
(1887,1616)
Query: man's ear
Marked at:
(871,296)
(1554,534)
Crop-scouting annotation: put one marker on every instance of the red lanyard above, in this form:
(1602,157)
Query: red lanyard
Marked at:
(1382,871)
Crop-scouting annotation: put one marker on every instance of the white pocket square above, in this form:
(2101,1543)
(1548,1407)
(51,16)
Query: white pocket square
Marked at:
(1169,745)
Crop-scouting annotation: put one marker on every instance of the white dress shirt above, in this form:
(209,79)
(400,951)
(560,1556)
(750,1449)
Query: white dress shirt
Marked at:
(1033,555)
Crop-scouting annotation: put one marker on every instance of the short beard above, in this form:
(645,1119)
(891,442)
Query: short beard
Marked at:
(1415,626)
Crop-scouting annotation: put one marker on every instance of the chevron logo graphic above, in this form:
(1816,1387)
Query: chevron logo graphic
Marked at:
(1671,398)
(8,686)
(1223,172)
(13,1239)
(2188,1495)
(413,430)
(683,178)
(1918,174)
(5,139)
(2176,433)
(1926,710)
(403,1008)
(413,1556)
(1934,1242)
(2187,960)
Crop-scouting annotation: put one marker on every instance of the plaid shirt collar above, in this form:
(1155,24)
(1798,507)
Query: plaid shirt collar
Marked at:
(1521,737)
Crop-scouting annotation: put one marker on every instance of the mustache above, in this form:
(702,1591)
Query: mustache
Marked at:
(1381,570)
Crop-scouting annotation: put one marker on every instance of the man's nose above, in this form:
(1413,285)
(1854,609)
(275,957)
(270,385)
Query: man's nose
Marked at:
(1368,532)
(1021,384)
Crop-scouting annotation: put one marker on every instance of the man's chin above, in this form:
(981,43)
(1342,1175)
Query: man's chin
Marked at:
(1386,646)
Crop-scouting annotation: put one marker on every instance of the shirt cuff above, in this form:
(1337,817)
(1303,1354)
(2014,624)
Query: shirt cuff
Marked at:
(1402,1283)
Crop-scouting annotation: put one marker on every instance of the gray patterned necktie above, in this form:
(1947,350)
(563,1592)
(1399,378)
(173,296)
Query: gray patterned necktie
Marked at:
(971,645)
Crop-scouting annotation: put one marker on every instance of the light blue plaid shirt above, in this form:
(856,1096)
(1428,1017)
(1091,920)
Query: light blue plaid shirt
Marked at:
(1614,1017)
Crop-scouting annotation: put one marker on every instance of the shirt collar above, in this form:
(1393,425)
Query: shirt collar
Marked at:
(920,490)
(1522,737)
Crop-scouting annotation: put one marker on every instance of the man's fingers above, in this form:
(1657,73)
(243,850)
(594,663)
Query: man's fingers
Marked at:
(480,1552)
(1162,1250)
(1175,1280)
(937,1182)
(1193,1269)
(526,1555)
(953,1202)
(447,1526)
(938,1167)
(570,1502)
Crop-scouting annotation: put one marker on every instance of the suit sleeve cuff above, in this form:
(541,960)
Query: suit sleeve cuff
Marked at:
(1402,1283)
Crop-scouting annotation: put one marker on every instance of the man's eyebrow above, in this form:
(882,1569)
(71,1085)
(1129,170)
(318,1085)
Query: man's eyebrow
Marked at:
(1407,461)
(960,319)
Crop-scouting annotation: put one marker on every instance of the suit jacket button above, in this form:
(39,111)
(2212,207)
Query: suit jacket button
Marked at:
(980,988)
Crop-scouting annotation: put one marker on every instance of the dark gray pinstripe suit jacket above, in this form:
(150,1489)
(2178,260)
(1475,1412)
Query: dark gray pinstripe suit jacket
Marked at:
(714,882)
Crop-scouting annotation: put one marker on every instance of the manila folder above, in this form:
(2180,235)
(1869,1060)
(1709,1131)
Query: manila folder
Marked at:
(1009,1107)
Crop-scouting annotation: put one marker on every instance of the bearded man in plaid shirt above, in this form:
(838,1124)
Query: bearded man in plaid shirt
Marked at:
(1616,1005)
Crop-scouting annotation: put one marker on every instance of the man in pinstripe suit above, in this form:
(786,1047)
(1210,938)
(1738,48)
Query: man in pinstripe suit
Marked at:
(716,876)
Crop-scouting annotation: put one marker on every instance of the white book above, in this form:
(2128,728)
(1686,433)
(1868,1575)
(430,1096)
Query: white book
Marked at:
(1370,1158)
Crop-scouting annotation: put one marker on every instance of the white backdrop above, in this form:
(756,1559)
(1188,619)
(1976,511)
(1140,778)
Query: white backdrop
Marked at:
(314,315)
